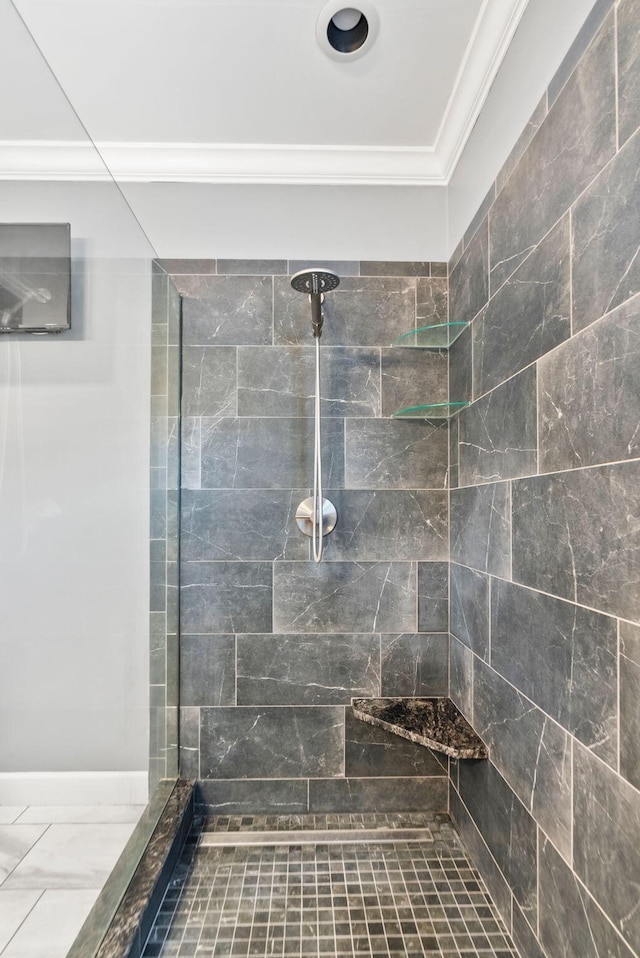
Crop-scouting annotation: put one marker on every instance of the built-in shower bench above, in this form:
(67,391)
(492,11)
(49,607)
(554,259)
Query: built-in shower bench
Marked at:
(434,722)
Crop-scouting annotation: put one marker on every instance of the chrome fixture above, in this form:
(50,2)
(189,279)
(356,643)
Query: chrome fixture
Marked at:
(316,516)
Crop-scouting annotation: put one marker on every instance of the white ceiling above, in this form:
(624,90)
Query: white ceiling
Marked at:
(187,99)
(224,90)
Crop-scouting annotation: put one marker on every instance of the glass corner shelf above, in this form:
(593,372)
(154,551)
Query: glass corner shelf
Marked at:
(438,410)
(441,336)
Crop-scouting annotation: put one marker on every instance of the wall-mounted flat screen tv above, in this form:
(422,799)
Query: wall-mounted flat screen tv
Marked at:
(35,277)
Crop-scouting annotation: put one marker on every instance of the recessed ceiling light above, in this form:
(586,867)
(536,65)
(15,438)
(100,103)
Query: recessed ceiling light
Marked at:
(346,33)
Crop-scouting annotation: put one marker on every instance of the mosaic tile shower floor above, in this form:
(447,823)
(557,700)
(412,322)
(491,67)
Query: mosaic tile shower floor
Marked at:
(400,898)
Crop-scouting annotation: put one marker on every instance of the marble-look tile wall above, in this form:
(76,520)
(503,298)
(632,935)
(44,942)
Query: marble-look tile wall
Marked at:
(165,474)
(273,646)
(545,506)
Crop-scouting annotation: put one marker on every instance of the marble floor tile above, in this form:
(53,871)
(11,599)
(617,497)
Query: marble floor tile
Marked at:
(10,813)
(15,842)
(52,925)
(14,908)
(81,814)
(70,856)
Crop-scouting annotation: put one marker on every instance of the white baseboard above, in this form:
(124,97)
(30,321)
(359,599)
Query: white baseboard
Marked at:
(74,788)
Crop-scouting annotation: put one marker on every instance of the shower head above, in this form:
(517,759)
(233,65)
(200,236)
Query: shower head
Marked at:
(315,282)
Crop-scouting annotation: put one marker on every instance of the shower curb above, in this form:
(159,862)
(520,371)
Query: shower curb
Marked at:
(123,915)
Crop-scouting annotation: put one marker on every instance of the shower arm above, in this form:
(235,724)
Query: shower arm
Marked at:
(317,319)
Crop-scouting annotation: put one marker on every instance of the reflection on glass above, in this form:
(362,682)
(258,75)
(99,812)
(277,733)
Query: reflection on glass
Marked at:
(35,278)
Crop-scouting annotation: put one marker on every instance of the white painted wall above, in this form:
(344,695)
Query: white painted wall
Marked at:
(74,416)
(280,222)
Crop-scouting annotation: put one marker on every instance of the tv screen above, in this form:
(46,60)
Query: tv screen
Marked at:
(35,277)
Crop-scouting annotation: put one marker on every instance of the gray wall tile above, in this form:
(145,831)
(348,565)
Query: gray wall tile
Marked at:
(345,597)
(268,453)
(281,381)
(498,434)
(575,141)
(389,525)
(372,752)
(585,36)
(629,699)
(470,603)
(158,518)
(481,528)
(227,310)
(207,670)
(606,853)
(571,923)
(379,795)
(461,668)
(342,267)
(529,750)
(439,269)
(433,596)
(190,743)
(242,524)
(432,301)
(394,268)
(469,281)
(307,669)
(363,311)
(226,596)
(247,267)
(561,656)
(271,742)
(575,535)
(528,316)
(479,215)
(387,454)
(209,381)
(606,239)
(523,936)
(244,470)
(628,72)
(473,840)
(264,797)
(461,368)
(415,664)
(190,452)
(411,377)
(507,828)
(588,394)
(522,143)
(186,266)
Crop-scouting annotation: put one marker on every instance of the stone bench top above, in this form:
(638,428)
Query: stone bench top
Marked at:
(434,722)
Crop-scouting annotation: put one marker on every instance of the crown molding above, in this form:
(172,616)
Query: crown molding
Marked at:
(494,30)
(51,160)
(282,164)
(219,163)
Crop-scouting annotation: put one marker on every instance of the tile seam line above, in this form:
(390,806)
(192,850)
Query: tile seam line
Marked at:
(588,608)
(25,919)
(543,357)
(529,588)
(574,739)
(595,901)
(571,738)
(535,246)
(544,475)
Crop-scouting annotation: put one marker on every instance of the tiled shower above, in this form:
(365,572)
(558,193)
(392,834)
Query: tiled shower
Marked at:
(273,647)
(524,508)
(544,513)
